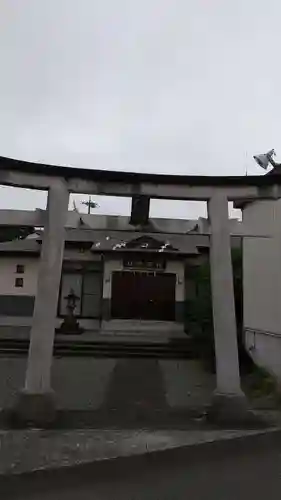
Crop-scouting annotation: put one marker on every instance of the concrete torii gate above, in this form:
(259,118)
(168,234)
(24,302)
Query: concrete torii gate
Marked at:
(36,402)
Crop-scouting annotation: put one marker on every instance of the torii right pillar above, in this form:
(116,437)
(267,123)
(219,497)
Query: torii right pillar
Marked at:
(229,402)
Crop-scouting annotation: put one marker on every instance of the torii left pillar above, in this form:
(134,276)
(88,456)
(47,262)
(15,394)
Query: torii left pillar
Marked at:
(36,402)
(229,402)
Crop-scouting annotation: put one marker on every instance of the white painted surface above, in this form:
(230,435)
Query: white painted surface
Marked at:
(261,267)
(8,275)
(110,266)
(261,215)
(262,285)
(8,266)
(177,267)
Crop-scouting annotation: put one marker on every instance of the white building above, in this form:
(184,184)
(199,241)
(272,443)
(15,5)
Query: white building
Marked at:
(262,284)
(127,281)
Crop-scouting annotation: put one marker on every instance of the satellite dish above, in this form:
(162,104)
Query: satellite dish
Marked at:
(265,159)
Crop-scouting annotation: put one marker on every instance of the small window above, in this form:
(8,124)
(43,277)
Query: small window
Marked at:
(19,282)
(20,268)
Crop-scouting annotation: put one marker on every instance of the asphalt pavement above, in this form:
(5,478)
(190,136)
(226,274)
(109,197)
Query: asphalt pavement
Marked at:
(236,470)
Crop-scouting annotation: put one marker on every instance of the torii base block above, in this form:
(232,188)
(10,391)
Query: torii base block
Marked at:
(35,409)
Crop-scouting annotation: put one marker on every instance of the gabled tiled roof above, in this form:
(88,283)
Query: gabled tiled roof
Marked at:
(107,241)
(120,241)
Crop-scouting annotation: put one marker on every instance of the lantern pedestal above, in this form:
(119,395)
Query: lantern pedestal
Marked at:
(70,326)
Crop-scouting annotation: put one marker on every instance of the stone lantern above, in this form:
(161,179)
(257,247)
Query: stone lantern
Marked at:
(70,325)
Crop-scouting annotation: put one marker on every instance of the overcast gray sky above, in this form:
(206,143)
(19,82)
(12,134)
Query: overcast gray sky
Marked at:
(165,86)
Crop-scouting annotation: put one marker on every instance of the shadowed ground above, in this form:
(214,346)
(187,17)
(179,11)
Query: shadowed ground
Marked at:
(136,387)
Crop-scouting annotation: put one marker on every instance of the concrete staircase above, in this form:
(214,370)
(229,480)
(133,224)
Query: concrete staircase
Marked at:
(176,349)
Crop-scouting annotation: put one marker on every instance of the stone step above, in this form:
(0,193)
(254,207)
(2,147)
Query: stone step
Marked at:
(14,347)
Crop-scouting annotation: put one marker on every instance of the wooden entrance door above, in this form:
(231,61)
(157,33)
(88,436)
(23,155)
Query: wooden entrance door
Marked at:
(141,295)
